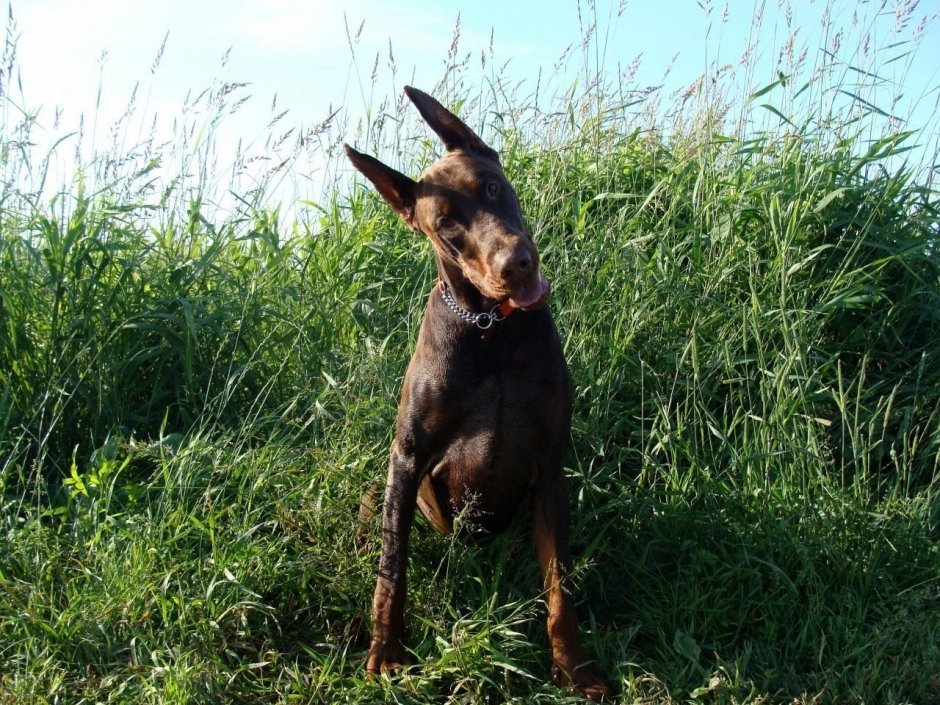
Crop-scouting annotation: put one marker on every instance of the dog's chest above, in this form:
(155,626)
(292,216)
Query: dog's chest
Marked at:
(486,406)
(489,423)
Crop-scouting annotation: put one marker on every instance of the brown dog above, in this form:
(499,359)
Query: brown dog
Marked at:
(485,408)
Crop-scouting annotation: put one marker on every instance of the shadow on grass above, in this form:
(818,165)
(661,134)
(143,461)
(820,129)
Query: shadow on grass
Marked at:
(720,592)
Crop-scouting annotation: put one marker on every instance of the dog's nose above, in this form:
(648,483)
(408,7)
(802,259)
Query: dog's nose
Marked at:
(515,263)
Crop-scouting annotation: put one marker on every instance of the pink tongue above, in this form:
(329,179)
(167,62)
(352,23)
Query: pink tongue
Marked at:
(529,293)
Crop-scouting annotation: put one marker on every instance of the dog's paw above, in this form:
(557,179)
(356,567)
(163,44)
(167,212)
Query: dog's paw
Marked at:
(392,659)
(584,681)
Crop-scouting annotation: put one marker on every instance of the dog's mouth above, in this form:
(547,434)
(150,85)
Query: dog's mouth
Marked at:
(531,295)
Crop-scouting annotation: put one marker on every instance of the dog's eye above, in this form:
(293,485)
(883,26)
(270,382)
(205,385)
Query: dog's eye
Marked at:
(449,234)
(445,223)
(492,189)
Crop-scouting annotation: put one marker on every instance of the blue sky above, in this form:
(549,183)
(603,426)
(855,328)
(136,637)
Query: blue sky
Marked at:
(298,51)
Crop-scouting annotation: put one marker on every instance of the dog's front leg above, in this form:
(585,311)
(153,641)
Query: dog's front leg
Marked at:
(550,517)
(387,652)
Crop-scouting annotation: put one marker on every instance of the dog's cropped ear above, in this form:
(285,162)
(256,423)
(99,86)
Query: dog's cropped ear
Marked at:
(450,128)
(397,189)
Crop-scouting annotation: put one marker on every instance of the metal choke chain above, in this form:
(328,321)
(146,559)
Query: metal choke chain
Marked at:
(480,320)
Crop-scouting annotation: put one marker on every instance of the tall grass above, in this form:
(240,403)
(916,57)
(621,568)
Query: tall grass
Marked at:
(746,276)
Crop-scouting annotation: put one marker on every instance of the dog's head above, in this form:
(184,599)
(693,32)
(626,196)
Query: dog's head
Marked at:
(466,206)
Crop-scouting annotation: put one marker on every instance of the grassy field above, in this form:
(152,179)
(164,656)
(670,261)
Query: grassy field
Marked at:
(747,281)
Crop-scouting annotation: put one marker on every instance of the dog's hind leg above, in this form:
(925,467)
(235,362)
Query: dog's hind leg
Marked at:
(370,506)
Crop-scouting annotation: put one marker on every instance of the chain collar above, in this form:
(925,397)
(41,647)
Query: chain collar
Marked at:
(483,321)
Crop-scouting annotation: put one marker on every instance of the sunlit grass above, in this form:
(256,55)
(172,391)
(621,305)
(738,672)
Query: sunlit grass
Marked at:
(195,394)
